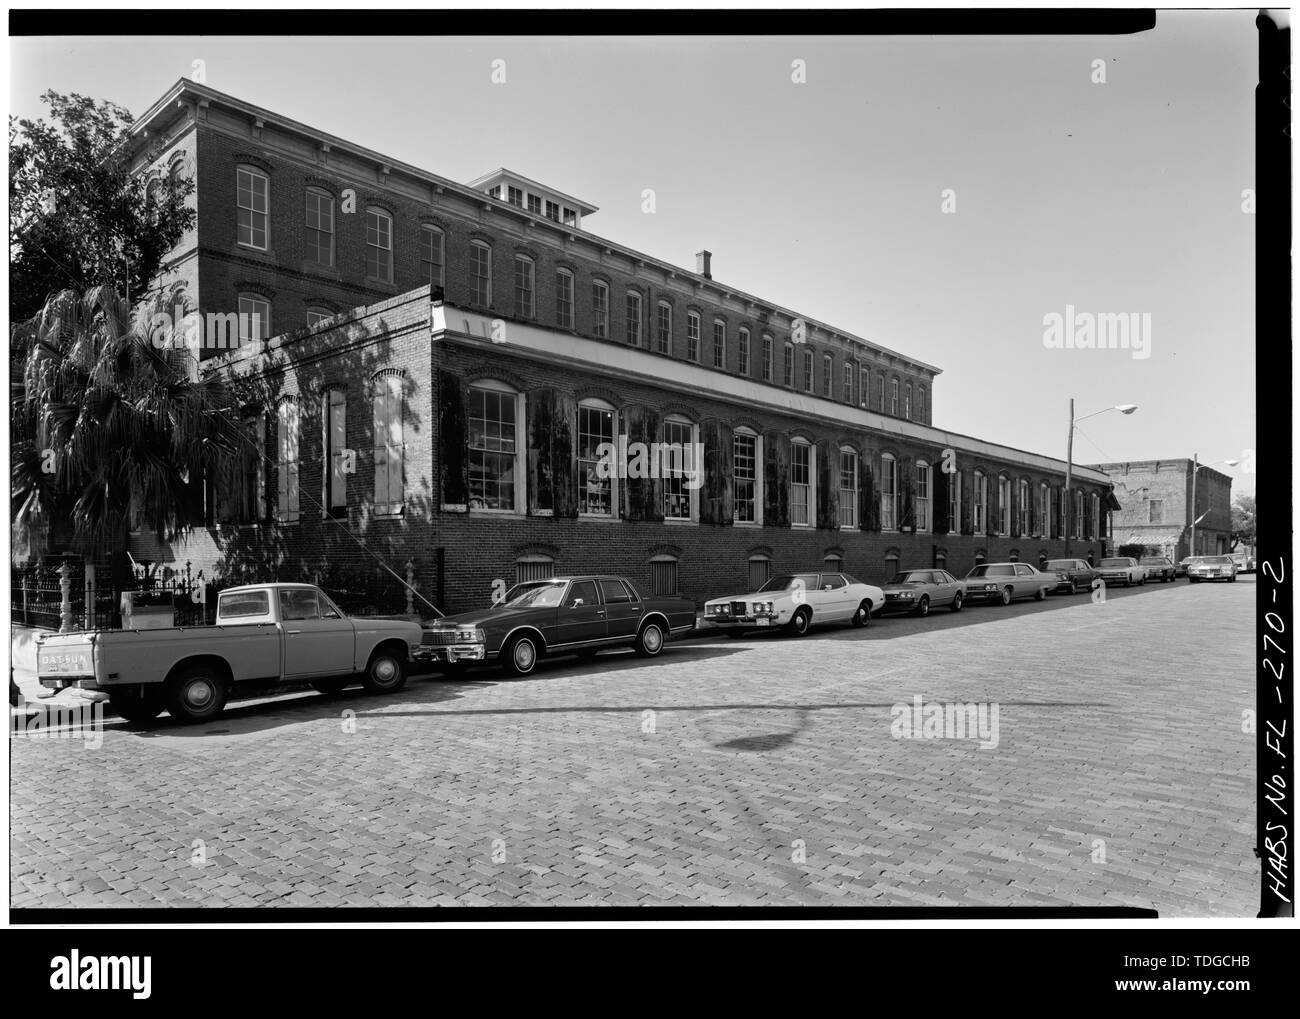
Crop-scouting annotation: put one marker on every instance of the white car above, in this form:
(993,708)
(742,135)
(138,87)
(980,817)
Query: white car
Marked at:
(797,601)
(1122,570)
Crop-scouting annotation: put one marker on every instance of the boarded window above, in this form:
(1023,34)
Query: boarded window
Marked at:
(663,576)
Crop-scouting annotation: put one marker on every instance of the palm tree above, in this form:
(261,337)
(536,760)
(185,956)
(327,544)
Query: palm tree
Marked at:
(106,404)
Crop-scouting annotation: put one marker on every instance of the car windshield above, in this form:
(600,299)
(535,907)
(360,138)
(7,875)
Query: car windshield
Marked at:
(993,570)
(911,577)
(786,581)
(1158,560)
(1060,564)
(537,595)
(1114,562)
(1220,560)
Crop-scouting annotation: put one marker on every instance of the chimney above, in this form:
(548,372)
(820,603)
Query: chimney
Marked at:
(704,264)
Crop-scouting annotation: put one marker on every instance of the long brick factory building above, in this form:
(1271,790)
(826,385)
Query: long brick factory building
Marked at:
(442,361)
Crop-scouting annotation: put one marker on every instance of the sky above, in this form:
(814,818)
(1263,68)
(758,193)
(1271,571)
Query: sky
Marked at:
(941,196)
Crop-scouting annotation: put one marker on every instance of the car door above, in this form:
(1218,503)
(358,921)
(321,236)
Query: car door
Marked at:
(581,615)
(318,641)
(622,611)
(1024,582)
(837,599)
(946,589)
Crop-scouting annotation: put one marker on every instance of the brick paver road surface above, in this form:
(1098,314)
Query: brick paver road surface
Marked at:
(758,771)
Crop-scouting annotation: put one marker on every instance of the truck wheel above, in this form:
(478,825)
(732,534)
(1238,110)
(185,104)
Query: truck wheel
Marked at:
(863,616)
(798,626)
(135,708)
(520,655)
(1006,596)
(330,686)
(386,672)
(650,640)
(196,695)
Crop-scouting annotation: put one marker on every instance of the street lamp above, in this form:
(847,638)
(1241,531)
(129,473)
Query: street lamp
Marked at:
(1123,408)
(1196,469)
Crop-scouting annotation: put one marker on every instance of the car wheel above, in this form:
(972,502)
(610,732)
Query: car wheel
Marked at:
(863,616)
(1006,596)
(521,655)
(197,694)
(956,602)
(1143,581)
(1041,594)
(1232,579)
(386,673)
(923,609)
(650,640)
(134,707)
(799,625)
(330,686)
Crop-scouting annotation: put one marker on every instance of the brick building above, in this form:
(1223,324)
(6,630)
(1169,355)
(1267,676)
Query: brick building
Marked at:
(1156,496)
(441,363)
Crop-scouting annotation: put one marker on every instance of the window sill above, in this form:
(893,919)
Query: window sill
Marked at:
(674,522)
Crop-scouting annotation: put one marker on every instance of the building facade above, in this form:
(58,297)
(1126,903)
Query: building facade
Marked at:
(440,366)
(1156,496)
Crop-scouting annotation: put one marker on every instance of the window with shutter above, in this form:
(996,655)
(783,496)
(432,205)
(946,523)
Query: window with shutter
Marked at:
(286,461)
(334,418)
(390,445)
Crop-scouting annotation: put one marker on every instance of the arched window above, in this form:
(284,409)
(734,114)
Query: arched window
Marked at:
(846,374)
(496,452)
(480,271)
(334,442)
(719,343)
(1022,506)
(664,328)
(907,403)
(597,495)
(432,255)
(954,502)
(252,188)
(979,500)
(564,298)
(891,563)
(1044,516)
(980,557)
(663,576)
(922,496)
(679,468)
(525,287)
(767,358)
(742,353)
(534,567)
(760,570)
(807,370)
(390,443)
(1004,504)
(693,336)
(317,314)
(1078,513)
(787,369)
(286,460)
(379,245)
(848,487)
(920,404)
(893,397)
(888,492)
(319,227)
(747,477)
(1097,529)
(864,387)
(828,374)
(1014,557)
(832,562)
(803,491)
(600,309)
(254,318)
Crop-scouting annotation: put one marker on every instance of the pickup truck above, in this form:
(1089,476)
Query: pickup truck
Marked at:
(264,633)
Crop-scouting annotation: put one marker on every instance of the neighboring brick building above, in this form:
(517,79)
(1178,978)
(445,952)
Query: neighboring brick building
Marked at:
(440,362)
(1156,496)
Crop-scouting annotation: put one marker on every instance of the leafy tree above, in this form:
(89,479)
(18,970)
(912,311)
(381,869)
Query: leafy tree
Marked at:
(100,408)
(78,217)
(1243,520)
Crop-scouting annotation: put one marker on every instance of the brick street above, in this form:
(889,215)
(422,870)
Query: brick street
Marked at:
(727,772)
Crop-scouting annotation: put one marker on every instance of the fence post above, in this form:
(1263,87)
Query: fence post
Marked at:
(26,579)
(89,595)
(65,602)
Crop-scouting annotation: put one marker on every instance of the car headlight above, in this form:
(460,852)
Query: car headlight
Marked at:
(469,635)
(990,587)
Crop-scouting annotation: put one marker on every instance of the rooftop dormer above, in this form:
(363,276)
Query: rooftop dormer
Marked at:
(516,189)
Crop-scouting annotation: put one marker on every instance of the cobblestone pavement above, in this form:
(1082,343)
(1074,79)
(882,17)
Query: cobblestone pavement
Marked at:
(727,772)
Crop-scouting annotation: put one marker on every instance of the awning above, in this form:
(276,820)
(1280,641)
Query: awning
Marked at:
(1111,501)
(1161,539)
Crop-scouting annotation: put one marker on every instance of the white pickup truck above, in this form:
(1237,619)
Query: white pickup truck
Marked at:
(264,633)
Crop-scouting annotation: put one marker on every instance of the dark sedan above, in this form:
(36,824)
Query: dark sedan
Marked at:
(1073,575)
(576,615)
(1159,568)
(918,591)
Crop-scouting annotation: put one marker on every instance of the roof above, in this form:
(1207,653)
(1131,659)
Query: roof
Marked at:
(502,174)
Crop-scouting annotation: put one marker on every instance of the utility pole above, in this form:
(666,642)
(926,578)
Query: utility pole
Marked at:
(1069,478)
(1195,470)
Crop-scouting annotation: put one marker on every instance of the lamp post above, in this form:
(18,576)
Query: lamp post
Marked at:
(1196,469)
(1123,408)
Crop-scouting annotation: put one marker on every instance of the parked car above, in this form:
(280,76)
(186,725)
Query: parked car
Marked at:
(1159,568)
(574,615)
(264,633)
(1004,582)
(918,591)
(1212,567)
(1073,575)
(1122,570)
(1244,560)
(797,601)
(1181,569)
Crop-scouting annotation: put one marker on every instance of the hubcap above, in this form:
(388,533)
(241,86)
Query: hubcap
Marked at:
(652,638)
(385,670)
(524,654)
(199,694)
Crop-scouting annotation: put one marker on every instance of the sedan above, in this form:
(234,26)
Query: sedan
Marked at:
(1244,560)
(796,601)
(1159,568)
(1004,582)
(1212,567)
(574,615)
(918,591)
(1122,570)
(1073,575)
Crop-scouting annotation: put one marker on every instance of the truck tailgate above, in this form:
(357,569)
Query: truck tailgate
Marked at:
(65,656)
